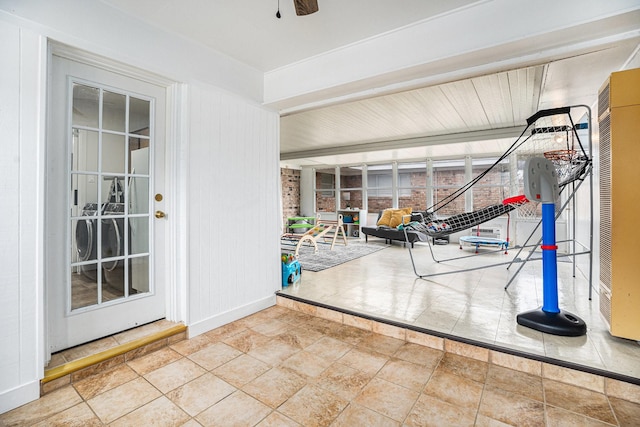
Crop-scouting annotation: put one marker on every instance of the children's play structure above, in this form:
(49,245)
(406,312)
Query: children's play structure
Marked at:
(551,135)
(323,231)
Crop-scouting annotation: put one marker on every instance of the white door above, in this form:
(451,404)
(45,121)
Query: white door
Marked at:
(105,178)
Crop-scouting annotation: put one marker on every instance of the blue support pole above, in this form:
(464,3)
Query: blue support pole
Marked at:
(549,260)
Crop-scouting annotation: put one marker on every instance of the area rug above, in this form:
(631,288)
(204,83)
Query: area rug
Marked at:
(326,258)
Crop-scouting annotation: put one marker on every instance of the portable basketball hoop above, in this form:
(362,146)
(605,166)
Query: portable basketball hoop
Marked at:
(564,161)
(560,155)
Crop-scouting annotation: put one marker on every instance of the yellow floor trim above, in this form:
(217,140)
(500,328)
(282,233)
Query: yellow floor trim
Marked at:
(76,365)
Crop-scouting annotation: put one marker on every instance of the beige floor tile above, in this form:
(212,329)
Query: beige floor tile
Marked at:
(201,393)
(57,359)
(276,419)
(454,389)
(429,411)
(238,409)
(160,412)
(271,327)
(348,334)
(557,417)
(226,331)
(174,374)
(145,364)
(484,421)
(246,340)
(381,344)
(364,360)
(329,348)
(275,386)
(406,374)
(526,385)
(192,345)
(214,355)
(313,406)
(273,352)
(43,408)
(119,401)
(89,349)
(465,367)
(627,413)
(143,331)
(419,354)
(343,380)
(356,415)
(92,386)
(510,408)
(299,337)
(387,398)
(241,370)
(76,416)
(579,400)
(306,364)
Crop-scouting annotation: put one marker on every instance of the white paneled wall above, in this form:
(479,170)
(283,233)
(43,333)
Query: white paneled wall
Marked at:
(20,253)
(234,208)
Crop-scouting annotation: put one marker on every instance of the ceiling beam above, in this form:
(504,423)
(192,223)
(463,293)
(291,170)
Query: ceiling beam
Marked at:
(481,135)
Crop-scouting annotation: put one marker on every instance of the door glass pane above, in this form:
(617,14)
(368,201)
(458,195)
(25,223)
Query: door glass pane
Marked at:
(139,235)
(139,152)
(85,150)
(139,195)
(140,274)
(110,180)
(113,111)
(86,104)
(84,192)
(113,153)
(139,115)
(84,288)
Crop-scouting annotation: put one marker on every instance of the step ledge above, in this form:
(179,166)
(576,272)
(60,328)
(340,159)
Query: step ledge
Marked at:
(77,365)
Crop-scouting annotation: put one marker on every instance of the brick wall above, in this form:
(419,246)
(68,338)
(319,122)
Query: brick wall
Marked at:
(290,182)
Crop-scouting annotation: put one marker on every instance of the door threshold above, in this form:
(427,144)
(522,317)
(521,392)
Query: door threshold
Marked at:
(91,358)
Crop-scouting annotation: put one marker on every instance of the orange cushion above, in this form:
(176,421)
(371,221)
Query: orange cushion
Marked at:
(396,217)
(385,217)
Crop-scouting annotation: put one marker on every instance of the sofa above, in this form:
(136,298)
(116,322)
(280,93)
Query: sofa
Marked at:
(391,232)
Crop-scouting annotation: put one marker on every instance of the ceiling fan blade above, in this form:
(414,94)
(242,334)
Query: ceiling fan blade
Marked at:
(305,7)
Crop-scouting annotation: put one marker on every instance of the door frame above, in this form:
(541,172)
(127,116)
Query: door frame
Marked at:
(175,192)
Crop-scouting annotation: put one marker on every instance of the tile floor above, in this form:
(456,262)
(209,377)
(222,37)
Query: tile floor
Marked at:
(108,343)
(472,305)
(282,367)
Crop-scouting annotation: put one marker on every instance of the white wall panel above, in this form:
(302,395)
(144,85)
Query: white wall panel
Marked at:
(20,256)
(234,208)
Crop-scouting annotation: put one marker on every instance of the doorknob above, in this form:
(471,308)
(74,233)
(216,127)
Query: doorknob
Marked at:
(160,214)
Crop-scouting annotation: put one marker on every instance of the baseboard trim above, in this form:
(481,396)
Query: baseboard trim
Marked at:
(237,313)
(19,396)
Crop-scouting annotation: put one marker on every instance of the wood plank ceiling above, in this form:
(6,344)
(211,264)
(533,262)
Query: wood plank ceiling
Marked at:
(502,100)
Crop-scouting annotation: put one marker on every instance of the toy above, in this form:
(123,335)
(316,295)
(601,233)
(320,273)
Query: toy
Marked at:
(291,270)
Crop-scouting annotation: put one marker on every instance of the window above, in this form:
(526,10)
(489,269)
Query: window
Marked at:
(351,187)
(494,186)
(325,190)
(448,176)
(379,187)
(412,185)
